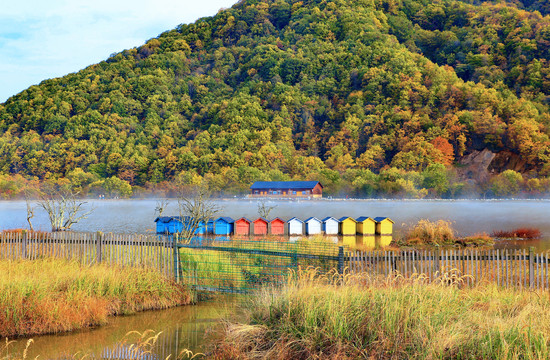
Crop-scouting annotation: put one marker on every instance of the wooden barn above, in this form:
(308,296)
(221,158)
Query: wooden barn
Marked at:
(277,226)
(348,226)
(366,225)
(242,226)
(260,226)
(330,225)
(223,226)
(313,226)
(286,189)
(295,226)
(384,225)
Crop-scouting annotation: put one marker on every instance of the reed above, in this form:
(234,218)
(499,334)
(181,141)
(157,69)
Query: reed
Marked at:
(53,295)
(519,233)
(352,317)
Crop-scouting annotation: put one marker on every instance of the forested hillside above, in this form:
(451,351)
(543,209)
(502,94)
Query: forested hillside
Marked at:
(370,97)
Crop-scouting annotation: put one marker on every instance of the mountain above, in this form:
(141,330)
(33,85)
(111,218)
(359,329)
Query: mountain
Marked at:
(371,97)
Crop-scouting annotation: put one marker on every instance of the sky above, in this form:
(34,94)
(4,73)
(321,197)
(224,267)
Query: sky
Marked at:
(46,39)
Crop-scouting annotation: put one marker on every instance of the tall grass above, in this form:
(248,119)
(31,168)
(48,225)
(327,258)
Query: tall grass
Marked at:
(389,318)
(52,295)
(441,233)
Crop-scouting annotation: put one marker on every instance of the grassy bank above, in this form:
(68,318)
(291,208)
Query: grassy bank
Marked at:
(48,296)
(361,317)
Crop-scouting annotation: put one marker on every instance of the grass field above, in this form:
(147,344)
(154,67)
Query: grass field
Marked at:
(357,317)
(52,295)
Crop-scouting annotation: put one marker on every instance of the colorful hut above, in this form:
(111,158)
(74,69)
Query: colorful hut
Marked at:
(277,226)
(210,226)
(348,226)
(168,224)
(242,226)
(384,225)
(295,226)
(260,226)
(313,226)
(223,226)
(330,225)
(366,225)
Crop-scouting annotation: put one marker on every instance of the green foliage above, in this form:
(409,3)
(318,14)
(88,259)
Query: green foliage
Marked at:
(295,90)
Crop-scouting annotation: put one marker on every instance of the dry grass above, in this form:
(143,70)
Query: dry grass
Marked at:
(441,233)
(355,317)
(519,233)
(51,295)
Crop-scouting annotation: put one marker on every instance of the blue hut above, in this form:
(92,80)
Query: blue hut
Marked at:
(210,226)
(168,224)
(223,226)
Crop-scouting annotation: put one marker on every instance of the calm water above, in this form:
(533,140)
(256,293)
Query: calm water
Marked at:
(469,216)
(188,327)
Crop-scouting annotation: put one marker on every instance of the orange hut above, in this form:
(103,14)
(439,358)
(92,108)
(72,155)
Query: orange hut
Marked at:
(242,226)
(260,226)
(277,226)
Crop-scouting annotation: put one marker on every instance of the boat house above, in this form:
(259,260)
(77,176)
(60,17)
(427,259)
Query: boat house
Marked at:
(277,226)
(287,189)
(295,226)
(313,226)
(384,225)
(330,225)
(242,226)
(366,225)
(348,226)
(223,226)
(260,226)
(168,224)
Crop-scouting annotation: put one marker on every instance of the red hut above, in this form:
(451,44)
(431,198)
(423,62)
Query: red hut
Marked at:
(260,226)
(242,226)
(277,226)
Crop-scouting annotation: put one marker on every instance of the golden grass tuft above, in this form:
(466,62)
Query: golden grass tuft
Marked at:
(360,316)
(52,295)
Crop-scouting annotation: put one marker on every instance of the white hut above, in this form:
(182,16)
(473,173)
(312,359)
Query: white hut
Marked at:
(295,226)
(330,225)
(313,226)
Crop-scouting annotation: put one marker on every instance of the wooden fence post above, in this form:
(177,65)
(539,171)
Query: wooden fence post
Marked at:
(24,244)
(340,259)
(436,261)
(99,246)
(175,255)
(531,267)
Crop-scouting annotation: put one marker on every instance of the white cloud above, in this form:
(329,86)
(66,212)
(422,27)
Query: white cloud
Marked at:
(45,39)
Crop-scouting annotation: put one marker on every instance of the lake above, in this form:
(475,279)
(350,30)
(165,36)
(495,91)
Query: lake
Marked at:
(187,327)
(468,216)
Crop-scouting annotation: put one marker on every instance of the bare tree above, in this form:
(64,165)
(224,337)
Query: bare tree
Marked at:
(161,206)
(63,209)
(30,209)
(195,210)
(264,210)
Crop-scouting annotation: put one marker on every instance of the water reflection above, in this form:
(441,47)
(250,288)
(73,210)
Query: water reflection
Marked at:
(187,327)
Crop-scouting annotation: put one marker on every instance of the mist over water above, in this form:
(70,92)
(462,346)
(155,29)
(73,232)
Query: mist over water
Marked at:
(468,216)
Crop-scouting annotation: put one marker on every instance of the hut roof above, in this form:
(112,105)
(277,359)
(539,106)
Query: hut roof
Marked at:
(283,185)
(262,219)
(277,218)
(343,218)
(381,218)
(312,218)
(363,218)
(295,218)
(227,219)
(245,219)
(330,218)
(167,219)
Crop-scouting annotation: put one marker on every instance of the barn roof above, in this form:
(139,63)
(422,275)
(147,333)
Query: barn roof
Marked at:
(283,185)
(382,218)
(363,218)
(227,219)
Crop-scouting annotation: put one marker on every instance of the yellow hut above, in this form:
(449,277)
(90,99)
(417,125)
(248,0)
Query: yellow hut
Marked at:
(384,226)
(366,225)
(347,226)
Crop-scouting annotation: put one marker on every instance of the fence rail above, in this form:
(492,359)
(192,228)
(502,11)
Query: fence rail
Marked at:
(240,265)
(520,268)
(91,248)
